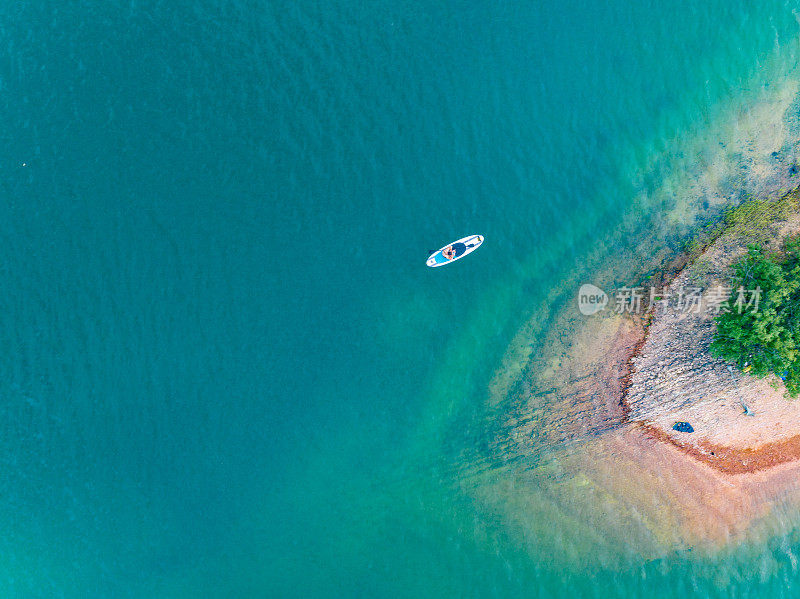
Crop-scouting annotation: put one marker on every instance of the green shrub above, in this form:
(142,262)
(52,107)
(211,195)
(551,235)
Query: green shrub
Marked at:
(765,340)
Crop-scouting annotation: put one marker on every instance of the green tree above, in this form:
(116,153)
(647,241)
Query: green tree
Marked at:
(766,339)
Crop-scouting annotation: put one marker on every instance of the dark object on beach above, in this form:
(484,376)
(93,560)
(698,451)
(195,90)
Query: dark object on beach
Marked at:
(682,427)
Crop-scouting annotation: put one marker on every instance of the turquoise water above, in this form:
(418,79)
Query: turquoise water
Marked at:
(227,371)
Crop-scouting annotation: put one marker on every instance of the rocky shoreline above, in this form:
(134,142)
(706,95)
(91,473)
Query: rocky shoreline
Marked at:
(740,423)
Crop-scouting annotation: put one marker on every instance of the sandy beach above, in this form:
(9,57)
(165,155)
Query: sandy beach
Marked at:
(741,423)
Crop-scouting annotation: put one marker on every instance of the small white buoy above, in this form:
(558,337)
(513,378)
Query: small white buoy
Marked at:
(24,164)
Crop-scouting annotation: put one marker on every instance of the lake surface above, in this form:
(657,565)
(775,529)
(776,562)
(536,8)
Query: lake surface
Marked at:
(227,370)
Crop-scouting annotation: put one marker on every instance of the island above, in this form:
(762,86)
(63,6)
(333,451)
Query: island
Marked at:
(737,422)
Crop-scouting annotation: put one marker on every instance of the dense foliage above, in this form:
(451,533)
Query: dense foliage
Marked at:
(765,339)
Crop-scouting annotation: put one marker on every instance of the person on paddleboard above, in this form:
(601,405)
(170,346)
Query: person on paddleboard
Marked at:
(454,251)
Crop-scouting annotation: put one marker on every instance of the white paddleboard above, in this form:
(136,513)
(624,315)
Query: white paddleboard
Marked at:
(455,251)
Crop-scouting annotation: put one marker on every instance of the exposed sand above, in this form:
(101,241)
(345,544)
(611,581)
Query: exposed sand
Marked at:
(741,424)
